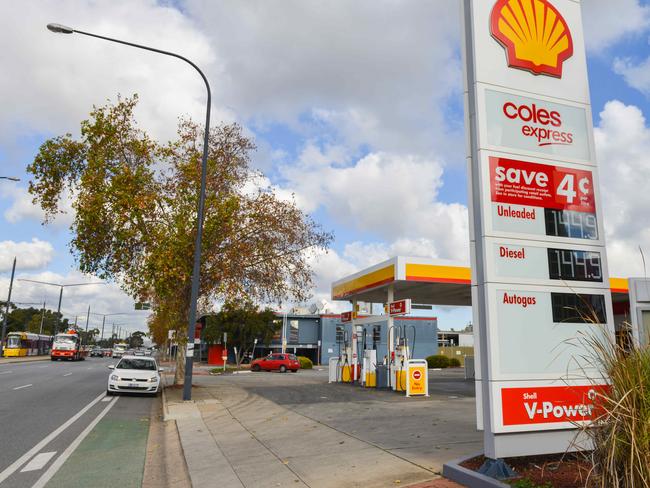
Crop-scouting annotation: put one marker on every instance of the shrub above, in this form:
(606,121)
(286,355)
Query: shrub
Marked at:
(621,435)
(438,361)
(305,363)
(454,363)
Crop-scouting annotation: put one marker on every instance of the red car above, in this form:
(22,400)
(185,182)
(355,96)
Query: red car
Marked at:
(277,361)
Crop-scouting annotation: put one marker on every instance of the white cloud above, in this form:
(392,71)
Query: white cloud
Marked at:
(375,72)
(390,196)
(637,75)
(36,254)
(22,207)
(623,146)
(102,299)
(607,22)
(55,79)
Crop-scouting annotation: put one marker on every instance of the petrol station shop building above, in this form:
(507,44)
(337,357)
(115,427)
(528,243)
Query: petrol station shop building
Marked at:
(321,336)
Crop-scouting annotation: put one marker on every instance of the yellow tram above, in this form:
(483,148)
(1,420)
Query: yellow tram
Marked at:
(27,344)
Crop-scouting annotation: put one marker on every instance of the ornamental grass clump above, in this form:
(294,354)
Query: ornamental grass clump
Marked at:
(621,433)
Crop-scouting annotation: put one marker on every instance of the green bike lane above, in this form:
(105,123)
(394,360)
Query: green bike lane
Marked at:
(113,453)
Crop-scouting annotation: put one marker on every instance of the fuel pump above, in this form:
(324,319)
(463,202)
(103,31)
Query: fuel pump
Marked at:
(401,354)
(369,363)
(343,363)
(354,348)
(346,358)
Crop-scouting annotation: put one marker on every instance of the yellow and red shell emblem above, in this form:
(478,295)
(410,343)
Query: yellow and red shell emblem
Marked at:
(534,33)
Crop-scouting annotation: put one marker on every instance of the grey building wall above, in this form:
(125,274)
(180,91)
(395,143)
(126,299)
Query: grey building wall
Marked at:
(425,329)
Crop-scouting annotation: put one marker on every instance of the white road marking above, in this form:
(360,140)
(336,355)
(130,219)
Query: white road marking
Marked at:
(44,366)
(67,374)
(6,372)
(21,387)
(56,465)
(38,461)
(25,457)
(106,399)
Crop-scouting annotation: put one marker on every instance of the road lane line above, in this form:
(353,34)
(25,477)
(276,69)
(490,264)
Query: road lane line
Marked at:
(67,374)
(6,372)
(46,366)
(56,465)
(24,386)
(38,461)
(106,399)
(11,469)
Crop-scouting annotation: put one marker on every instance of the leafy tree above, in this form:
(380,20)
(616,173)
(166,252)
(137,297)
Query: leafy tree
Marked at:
(243,323)
(49,322)
(29,320)
(135,206)
(136,339)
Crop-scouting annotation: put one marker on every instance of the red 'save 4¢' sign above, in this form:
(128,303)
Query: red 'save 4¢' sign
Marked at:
(541,185)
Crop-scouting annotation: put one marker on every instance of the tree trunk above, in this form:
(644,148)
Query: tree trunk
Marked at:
(179,375)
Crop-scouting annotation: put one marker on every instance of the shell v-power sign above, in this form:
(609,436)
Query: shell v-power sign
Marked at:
(540,278)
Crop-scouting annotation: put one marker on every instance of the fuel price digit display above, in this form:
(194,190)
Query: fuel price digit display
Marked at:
(572,265)
(578,308)
(568,223)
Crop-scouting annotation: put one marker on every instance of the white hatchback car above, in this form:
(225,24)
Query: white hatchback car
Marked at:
(134,375)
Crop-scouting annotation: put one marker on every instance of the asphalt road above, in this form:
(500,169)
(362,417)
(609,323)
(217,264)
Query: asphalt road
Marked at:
(54,417)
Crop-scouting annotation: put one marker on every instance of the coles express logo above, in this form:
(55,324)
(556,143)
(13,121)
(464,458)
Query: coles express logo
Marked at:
(539,123)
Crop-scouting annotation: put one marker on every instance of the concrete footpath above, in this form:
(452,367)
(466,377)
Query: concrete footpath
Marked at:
(234,439)
(23,359)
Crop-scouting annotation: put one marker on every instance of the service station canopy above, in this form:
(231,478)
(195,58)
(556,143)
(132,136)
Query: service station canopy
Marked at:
(425,281)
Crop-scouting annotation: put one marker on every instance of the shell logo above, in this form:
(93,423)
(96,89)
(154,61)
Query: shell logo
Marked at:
(534,33)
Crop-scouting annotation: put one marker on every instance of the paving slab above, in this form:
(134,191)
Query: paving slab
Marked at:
(311,453)
(273,430)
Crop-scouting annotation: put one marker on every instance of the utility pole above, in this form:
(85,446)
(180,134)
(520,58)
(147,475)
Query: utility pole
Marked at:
(87,320)
(4,320)
(42,318)
(103,323)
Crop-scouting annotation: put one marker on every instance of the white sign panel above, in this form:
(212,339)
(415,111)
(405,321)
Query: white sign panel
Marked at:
(548,263)
(536,126)
(538,257)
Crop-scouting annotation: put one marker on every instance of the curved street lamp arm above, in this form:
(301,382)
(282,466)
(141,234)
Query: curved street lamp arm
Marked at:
(155,50)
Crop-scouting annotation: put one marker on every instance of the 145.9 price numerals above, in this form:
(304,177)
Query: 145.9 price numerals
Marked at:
(572,265)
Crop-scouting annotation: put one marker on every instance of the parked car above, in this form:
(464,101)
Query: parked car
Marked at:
(276,361)
(96,352)
(134,375)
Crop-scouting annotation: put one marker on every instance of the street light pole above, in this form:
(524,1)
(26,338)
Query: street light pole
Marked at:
(61,286)
(87,320)
(196,271)
(42,318)
(4,320)
(10,178)
(58,313)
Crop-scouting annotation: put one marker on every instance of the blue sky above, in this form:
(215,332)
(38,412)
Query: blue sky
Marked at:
(356,109)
